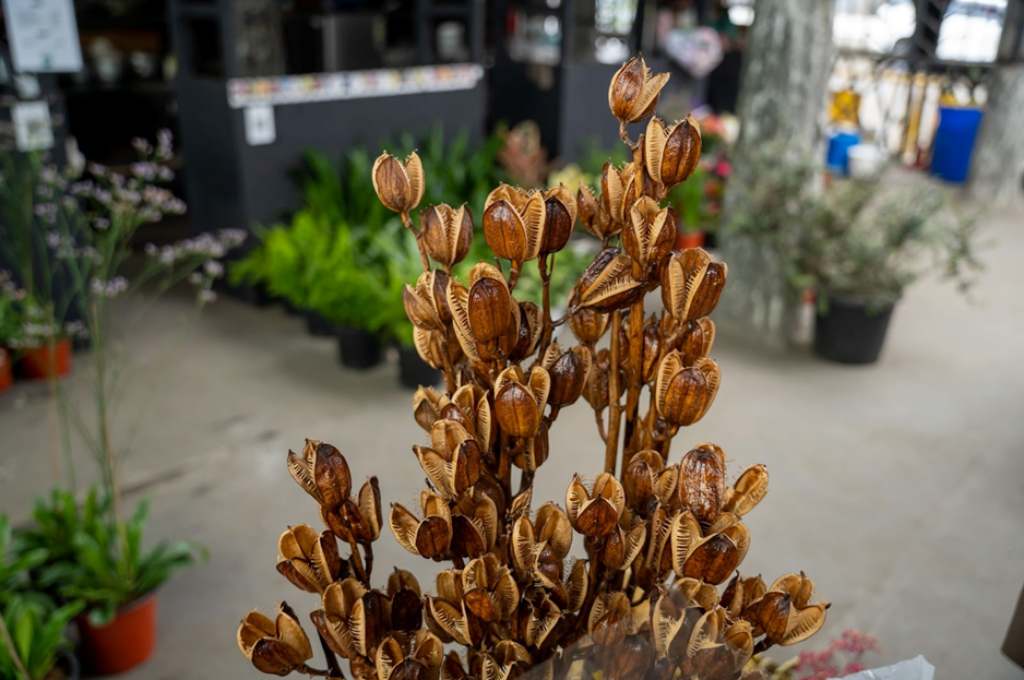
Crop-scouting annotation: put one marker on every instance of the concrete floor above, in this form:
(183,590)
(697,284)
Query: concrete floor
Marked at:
(897,487)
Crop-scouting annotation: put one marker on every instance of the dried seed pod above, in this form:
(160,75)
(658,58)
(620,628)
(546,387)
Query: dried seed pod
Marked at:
(633,92)
(491,593)
(609,618)
(429,537)
(560,210)
(406,601)
(399,185)
(684,394)
(622,547)
(489,305)
(538,621)
(518,402)
(750,488)
(418,657)
(538,547)
(620,189)
(531,324)
(474,524)
(588,326)
(447,233)
(595,513)
(514,223)
(681,277)
(568,371)
(451,470)
(671,152)
(702,482)
(607,283)
(639,478)
(649,235)
(448,611)
(785,613)
(710,290)
(322,471)
(275,647)
(651,351)
(434,349)
(352,619)
(586,203)
(307,559)
(712,557)
(425,303)
(697,341)
(596,390)
(741,593)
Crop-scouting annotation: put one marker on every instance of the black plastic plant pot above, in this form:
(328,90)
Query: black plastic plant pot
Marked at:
(255,295)
(290,308)
(851,332)
(67,663)
(413,372)
(358,348)
(319,326)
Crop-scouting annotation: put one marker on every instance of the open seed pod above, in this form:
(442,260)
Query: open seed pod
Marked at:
(710,556)
(519,402)
(595,513)
(447,233)
(406,601)
(633,92)
(514,223)
(307,559)
(474,524)
(429,537)
(409,658)
(671,152)
(568,371)
(684,394)
(352,618)
(560,216)
(399,184)
(702,482)
(276,647)
(322,471)
(785,613)
(607,284)
(649,234)
(490,591)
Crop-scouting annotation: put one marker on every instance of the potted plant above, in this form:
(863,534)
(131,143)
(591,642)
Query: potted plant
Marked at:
(688,200)
(93,559)
(10,323)
(860,245)
(33,632)
(42,348)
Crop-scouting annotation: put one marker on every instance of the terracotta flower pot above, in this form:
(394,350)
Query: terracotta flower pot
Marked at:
(37,363)
(123,643)
(6,375)
(689,239)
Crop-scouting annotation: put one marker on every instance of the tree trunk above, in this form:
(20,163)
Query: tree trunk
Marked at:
(782,102)
(997,172)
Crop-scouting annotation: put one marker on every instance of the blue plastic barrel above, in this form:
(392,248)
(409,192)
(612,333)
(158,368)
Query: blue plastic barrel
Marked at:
(839,143)
(954,142)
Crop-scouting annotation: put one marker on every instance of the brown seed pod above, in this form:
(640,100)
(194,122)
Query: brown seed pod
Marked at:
(586,203)
(322,471)
(530,326)
(633,92)
(639,479)
(514,223)
(352,618)
(518,402)
(595,513)
(684,394)
(406,601)
(276,647)
(697,341)
(489,304)
(474,524)
(307,559)
(785,613)
(741,593)
(588,326)
(750,488)
(671,153)
(491,593)
(607,284)
(568,371)
(609,619)
(681,277)
(622,547)
(447,233)
(416,657)
(649,235)
(702,482)
(429,537)
(399,185)
(560,210)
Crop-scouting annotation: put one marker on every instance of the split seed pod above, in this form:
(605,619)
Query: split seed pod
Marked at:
(568,371)
(691,284)
(560,210)
(491,593)
(698,339)
(514,223)
(709,557)
(607,284)
(785,612)
(406,601)
(750,488)
(426,303)
(454,464)
(518,402)
(539,547)
(702,482)
(322,471)
(307,559)
(447,233)
(588,326)
(352,619)
(429,537)
(649,236)
(275,647)
(409,658)
(633,92)
(671,152)
(474,523)
(399,185)
(741,593)
(620,189)
(684,394)
(595,513)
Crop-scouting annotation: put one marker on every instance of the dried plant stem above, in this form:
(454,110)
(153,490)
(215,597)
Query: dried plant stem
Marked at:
(447,369)
(611,449)
(357,564)
(636,347)
(545,279)
(424,260)
(368,550)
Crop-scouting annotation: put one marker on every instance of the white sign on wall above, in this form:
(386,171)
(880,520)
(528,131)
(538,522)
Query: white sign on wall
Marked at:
(32,129)
(259,125)
(43,36)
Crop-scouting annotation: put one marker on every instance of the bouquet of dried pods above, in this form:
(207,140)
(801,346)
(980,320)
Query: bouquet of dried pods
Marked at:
(660,539)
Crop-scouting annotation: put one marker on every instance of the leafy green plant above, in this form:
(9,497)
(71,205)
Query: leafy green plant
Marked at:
(97,561)
(687,198)
(32,636)
(16,562)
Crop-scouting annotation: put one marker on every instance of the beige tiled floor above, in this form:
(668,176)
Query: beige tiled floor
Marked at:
(897,487)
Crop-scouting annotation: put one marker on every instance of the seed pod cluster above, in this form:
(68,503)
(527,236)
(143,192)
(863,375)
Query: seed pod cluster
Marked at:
(653,589)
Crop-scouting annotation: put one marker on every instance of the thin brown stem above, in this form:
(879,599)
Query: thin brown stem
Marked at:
(357,564)
(636,347)
(545,280)
(611,449)
(407,222)
(368,550)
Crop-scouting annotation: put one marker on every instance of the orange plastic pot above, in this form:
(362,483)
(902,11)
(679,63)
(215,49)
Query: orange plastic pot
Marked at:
(37,363)
(6,375)
(689,239)
(123,643)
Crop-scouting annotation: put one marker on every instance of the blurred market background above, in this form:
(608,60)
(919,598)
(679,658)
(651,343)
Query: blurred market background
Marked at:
(862,174)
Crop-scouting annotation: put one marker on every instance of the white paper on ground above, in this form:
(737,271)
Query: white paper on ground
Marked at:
(917,668)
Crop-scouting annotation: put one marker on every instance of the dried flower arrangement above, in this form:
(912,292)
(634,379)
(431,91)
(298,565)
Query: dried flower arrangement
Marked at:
(512,599)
